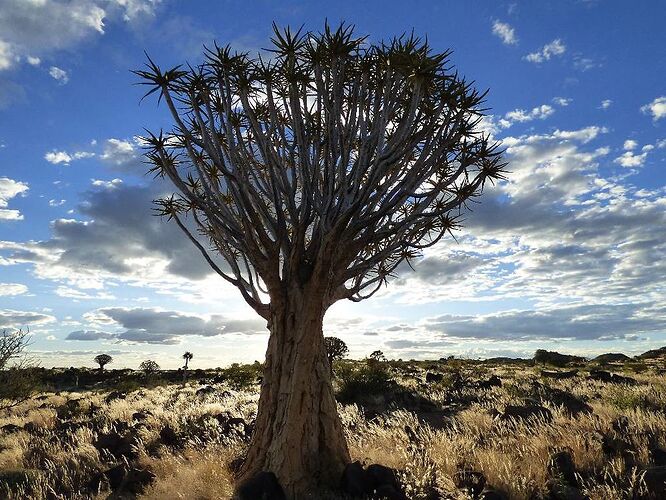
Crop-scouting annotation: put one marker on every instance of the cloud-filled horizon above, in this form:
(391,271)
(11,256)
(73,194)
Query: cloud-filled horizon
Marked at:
(568,254)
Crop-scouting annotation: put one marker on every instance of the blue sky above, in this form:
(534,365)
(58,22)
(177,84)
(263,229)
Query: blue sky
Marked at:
(569,254)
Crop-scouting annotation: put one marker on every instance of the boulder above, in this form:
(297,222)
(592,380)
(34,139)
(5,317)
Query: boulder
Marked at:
(169,437)
(559,375)
(353,479)
(206,390)
(653,480)
(493,381)
(470,481)
(10,428)
(611,378)
(124,479)
(377,481)
(433,378)
(263,486)
(116,444)
(561,468)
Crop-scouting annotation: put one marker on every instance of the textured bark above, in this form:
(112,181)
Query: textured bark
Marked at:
(298,434)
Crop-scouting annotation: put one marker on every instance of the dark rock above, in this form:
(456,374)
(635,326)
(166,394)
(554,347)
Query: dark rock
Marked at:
(353,479)
(559,375)
(379,476)
(569,403)
(653,480)
(611,378)
(204,391)
(31,427)
(263,486)
(235,425)
(434,377)
(561,468)
(491,494)
(560,491)
(10,428)
(140,416)
(470,481)
(526,412)
(169,437)
(658,455)
(493,381)
(117,445)
(124,479)
(112,396)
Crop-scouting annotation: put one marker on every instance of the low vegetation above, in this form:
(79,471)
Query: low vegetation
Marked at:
(455,429)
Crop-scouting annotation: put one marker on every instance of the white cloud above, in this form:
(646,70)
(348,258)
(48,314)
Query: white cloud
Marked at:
(121,155)
(630,159)
(10,318)
(10,188)
(605,104)
(656,108)
(33,29)
(55,157)
(520,115)
(33,61)
(9,289)
(59,75)
(7,57)
(629,144)
(554,48)
(505,32)
(57,203)
(562,101)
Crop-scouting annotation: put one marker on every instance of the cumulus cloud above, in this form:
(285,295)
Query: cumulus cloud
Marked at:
(9,189)
(90,335)
(562,101)
(122,155)
(629,144)
(505,33)
(605,104)
(56,157)
(554,48)
(59,75)
(558,234)
(9,289)
(656,108)
(631,159)
(580,322)
(159,326)
(32,29)
(20,319)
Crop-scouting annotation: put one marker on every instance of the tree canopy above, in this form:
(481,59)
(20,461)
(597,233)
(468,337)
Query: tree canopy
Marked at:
(332,139)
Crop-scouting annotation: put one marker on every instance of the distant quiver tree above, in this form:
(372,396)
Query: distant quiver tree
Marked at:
(102,360)
(310,176)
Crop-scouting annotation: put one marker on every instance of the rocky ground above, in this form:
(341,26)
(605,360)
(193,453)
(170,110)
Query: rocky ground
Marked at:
(427,430)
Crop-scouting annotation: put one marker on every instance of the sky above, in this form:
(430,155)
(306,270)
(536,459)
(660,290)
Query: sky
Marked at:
(569,254)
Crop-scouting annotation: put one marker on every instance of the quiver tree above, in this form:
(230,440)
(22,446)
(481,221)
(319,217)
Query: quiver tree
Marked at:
(313,176)
(102,360)
(335,349)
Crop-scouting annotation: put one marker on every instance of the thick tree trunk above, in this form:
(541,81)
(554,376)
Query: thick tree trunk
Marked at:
(298,433)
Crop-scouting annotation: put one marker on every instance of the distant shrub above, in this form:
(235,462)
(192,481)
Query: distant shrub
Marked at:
(636,367)
(555,358)
(241,377)
(368,379)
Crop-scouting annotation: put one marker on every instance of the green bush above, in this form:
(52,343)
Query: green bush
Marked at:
(241,377)
(367,379)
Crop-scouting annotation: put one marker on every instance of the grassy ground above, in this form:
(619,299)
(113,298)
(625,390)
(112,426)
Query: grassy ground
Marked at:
(435,434)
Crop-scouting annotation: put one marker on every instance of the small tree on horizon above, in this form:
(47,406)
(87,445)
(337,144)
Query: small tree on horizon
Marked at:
(149,367)
(102,360)
(335,349)
(307,179)
(187,357)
